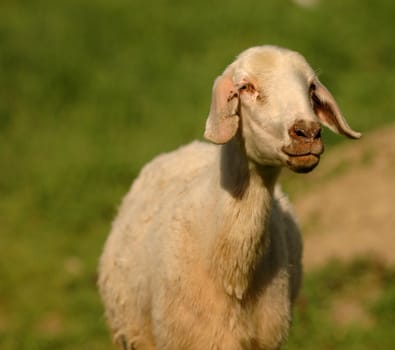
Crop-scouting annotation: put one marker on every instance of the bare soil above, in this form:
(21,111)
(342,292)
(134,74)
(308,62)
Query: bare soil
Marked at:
(346,205)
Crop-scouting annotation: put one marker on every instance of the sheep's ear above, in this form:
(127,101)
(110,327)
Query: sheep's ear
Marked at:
(327,110)
(222,122)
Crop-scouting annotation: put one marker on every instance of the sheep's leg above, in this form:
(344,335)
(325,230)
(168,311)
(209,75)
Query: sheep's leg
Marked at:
(123,343)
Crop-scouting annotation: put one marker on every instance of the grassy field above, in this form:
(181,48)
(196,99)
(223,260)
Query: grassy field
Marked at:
(92,89)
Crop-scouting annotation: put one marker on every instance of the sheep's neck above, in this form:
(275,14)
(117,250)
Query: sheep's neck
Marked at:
(243,216)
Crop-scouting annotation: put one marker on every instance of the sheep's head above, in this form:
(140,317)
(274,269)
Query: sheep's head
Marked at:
(272,100)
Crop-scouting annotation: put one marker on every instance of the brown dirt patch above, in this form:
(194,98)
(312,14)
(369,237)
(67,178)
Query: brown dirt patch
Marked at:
(346,206)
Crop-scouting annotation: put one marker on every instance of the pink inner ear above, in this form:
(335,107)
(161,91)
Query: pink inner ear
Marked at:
(329,112)
(222,122)
(325,113)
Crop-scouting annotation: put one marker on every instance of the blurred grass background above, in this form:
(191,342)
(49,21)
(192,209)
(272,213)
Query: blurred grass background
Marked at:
(92,89)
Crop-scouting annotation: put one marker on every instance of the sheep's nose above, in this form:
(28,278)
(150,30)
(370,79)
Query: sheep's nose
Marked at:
(305,131)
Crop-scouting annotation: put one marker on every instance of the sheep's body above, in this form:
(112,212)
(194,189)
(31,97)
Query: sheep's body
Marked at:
(205,253)
(158,278)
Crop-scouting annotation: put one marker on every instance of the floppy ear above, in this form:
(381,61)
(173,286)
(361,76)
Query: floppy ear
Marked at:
(222,122)
(327,110)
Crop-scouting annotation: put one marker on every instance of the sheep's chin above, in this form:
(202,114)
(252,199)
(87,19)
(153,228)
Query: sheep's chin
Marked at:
(303,164)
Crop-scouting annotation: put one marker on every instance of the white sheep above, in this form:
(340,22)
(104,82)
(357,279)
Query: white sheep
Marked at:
(205,252)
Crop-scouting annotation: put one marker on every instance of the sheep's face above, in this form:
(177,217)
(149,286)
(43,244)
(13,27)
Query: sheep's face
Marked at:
(271,98)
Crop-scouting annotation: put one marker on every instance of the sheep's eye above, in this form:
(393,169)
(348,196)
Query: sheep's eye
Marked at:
(247,87)
(312,87)
(314,98)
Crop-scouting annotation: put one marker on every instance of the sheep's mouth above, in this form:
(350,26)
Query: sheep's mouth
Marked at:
(303,163)
(303,156)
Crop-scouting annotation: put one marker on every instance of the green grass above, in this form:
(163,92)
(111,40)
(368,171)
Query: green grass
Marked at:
(90,90)
(320,321)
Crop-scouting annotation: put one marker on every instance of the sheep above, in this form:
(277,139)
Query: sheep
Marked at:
(205,252)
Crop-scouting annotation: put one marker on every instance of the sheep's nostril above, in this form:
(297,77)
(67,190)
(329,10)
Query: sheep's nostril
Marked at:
(315,131)
(307,132)
(300,133)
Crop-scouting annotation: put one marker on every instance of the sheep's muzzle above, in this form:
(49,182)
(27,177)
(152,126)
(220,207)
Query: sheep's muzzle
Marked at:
(305,148)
